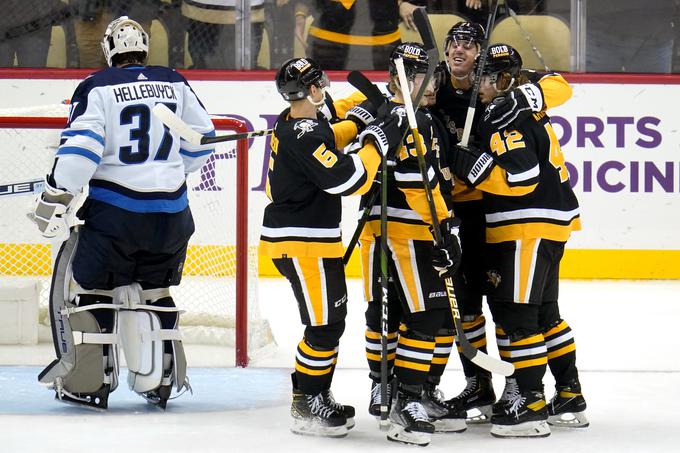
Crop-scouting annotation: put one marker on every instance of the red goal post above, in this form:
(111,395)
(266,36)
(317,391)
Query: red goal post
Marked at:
(241,271)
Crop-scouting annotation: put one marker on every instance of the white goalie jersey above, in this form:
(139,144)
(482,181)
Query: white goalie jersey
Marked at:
(115,144)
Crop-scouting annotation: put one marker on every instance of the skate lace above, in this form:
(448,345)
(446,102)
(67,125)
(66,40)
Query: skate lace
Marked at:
(511,390)
(318,406)
(416,410)
(516,402)
(331,401)
(376,393)
(437,395)
(469,387)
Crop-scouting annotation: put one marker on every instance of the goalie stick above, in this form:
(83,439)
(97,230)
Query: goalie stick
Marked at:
(425,29)
(176,124)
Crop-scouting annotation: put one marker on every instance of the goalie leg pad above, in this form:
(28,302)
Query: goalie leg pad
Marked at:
(151,342)
(83,330)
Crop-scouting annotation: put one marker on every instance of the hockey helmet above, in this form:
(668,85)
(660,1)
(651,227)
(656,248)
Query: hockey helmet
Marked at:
(415,59)
(296,75)
(467,33)
(502,58)
(124,35)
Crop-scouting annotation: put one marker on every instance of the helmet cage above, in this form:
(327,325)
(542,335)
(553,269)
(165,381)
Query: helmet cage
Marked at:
(465,34)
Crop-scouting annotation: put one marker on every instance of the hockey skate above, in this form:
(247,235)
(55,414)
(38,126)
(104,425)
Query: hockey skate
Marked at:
(510,391)
(446,418)
(524,415)
(410,423)
(476,399)
(313,416)
(567,407)
(374,403)
(158,397)
(347,411)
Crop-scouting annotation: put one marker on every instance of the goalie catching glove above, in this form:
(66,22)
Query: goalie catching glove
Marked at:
(515,106)
(471,165)
(447,255)
(52,212)
(387,132)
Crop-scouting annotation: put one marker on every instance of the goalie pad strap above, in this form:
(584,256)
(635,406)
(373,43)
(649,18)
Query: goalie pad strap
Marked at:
(93,338)
(163,334)
(67,311)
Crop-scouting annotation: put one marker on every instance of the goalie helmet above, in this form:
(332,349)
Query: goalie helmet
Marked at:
(502,58)
(465,32)
(124,35)
(415,59)
(295,77)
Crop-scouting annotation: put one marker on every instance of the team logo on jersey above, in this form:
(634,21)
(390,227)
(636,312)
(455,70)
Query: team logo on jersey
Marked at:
(493,278)
(304,126)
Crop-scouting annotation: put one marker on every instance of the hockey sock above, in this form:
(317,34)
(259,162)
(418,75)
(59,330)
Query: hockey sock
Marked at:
(528,354)
(561,353)
(413,357)
(314,368)
(373,352)
(475,331)
(442,351)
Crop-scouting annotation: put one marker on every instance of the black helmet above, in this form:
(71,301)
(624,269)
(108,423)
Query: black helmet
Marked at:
(295,77)
(415,59)
(464,31)
(502,58)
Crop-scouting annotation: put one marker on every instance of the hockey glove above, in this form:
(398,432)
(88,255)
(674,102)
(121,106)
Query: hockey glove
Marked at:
(51,212)
(362,114)
(471,165)
(515,106)
(386,133)
(446,257)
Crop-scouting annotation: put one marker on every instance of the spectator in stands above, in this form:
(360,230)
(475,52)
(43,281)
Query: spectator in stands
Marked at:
(353,34)
(26,31)
(212,32)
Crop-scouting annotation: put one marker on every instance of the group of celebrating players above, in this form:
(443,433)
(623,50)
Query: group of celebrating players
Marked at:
(501,206)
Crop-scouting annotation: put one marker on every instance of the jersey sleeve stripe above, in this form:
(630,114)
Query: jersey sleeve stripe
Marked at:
(195,153)
(94,157)
(413,176)
(353,180)
(85,133)
(528,175)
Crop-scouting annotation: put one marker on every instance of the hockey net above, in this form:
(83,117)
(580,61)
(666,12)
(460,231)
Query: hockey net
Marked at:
(219,289)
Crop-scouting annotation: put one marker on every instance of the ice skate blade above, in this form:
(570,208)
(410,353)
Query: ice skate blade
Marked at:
(308,428)
(569,420)
(383,425)
(526,429)
(479,415)
(398,433)
(449,425)
(350,423)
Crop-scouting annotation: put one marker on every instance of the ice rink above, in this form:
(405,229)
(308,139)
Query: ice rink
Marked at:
(628,354)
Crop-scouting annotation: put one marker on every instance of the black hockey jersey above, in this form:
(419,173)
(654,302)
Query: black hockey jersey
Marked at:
(408,212)
(527,194)
(453,102)
(307,177)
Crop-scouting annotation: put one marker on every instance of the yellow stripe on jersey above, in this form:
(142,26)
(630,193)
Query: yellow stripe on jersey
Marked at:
(558,328)
(497,183)
(304,347)
(522,231)
(377,336)
(420,344)
(412,365)
(378,357)
(417,201)
(310,249)
(461,192)
(532,362)
(371,158)
(344,132)
(396,229)
(312,278)
(562,351)
(305,370)
(342,38)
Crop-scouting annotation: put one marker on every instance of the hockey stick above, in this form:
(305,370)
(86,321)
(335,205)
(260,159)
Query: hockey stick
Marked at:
(527,38)
(473,354)
(478,76)
(175,123)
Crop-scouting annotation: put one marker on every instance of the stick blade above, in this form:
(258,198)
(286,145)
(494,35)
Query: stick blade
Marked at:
(175,124)
(494,365)
(366,87)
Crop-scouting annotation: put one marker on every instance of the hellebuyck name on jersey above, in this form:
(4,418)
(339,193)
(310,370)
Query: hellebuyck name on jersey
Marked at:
(113,142)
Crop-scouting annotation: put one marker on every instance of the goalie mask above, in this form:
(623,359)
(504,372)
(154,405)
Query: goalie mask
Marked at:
(124,35)
(296,76)
(415,59)
(502,59)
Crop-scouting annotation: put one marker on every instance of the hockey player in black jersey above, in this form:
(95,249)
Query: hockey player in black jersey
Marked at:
(301,229)
(530,212)
(415,350)
(461,47)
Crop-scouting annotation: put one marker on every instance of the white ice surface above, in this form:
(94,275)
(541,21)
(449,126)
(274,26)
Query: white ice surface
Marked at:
(628,355)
